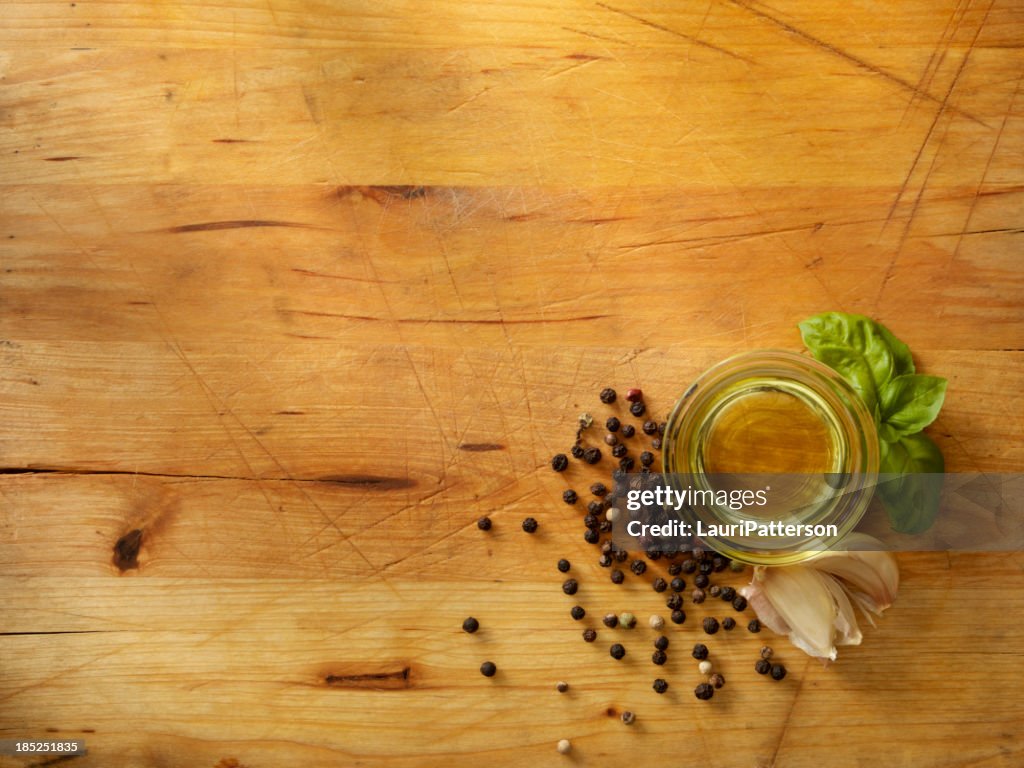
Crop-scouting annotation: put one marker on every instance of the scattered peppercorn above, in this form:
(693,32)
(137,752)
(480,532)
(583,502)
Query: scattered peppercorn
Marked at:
(576,451)
(705,668)
(470,625)
(700,652)
(661,643)
(674,569)
(728,623)
(660,685)
(585,420)
(599,489)
(638,409)
(704,691)
(762,667)
(659,584)
(628,430)
(649,427)
(656,443)
(710,625)
(487,669)
(592,455)
(674,602)
(611,439)
(701,580)
(605,526)
(698,596)
(529,525)
(653,553)
(627,620)
(628,718)
(590,521)
(677,584)
(754,626)
(720,563)
(564,746)
(705,567)
(619,451)
(662,426)
(646,458)
(611,621)
(589,635)
(608,395)
(678,617)
(577,612)
(618,576)
(595,507)
(778,671)
(621,555)
(561,686)
(728,593)
(659,657)
(617,651)
(569,496)
(689,566)
(739,603)
(613,424)
(605,561)
(484,523)
(638,567)
(736,566)
(564,565)
(591,536)
(559,462)
(716,680)
(570,586)
(715,590)
(634,394)
(656,622)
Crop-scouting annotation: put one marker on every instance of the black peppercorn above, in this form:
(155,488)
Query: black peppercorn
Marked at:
(607,548)
(470,625)
(607,395)
(660,685)
(595,507)
(704,691)
(778,671)
(569,496)
(661,643)
(599,489)
(592,455)
(638,408)
(577,612)
(591,522)
(716,680)
(628,718)
(589,635)
(719,563)
(570,586)
(705,567)
(564,565)
(728,593)
(701,581)
(618,576)
(674,569)
(728,623)
(529,525)
(715,590)
(484,523)
(674,602)
(613,424)
(662,426)
(487,669)
(700,651)
(659,657)
(617,651)
(638,567)
(611,621)
(561,686)
(678,617)
(763,667)
(650,427)
(710,625)
(689,566)
(740,603)
(698,596)
(659,584)
(646,458)
(653,553)
(754,626)
(656,443)
(577,451)
(611,439)
(605,526)
(628,430)
(619,451)
(605,561)
(591,536)
(677,584)
(559,462)
(621,555)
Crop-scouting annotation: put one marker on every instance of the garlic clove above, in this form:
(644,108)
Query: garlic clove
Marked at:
(871,572)
(806,605)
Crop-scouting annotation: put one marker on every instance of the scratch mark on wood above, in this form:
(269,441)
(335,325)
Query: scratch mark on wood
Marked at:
(689,38)
(596,36)
(211,226)
(481,447)
(232,141)
(446,321)
(855,60)
(373,680)
(314,273)
(376,482)
(62,159)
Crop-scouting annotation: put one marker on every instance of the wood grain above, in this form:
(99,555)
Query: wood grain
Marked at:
(292,292)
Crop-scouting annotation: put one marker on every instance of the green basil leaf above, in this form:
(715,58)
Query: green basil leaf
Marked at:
(852,366)
(856,333)
(909,403)
(912,499)
(902,361)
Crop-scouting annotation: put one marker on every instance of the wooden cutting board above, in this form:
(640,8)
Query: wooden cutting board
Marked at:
(298,290)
